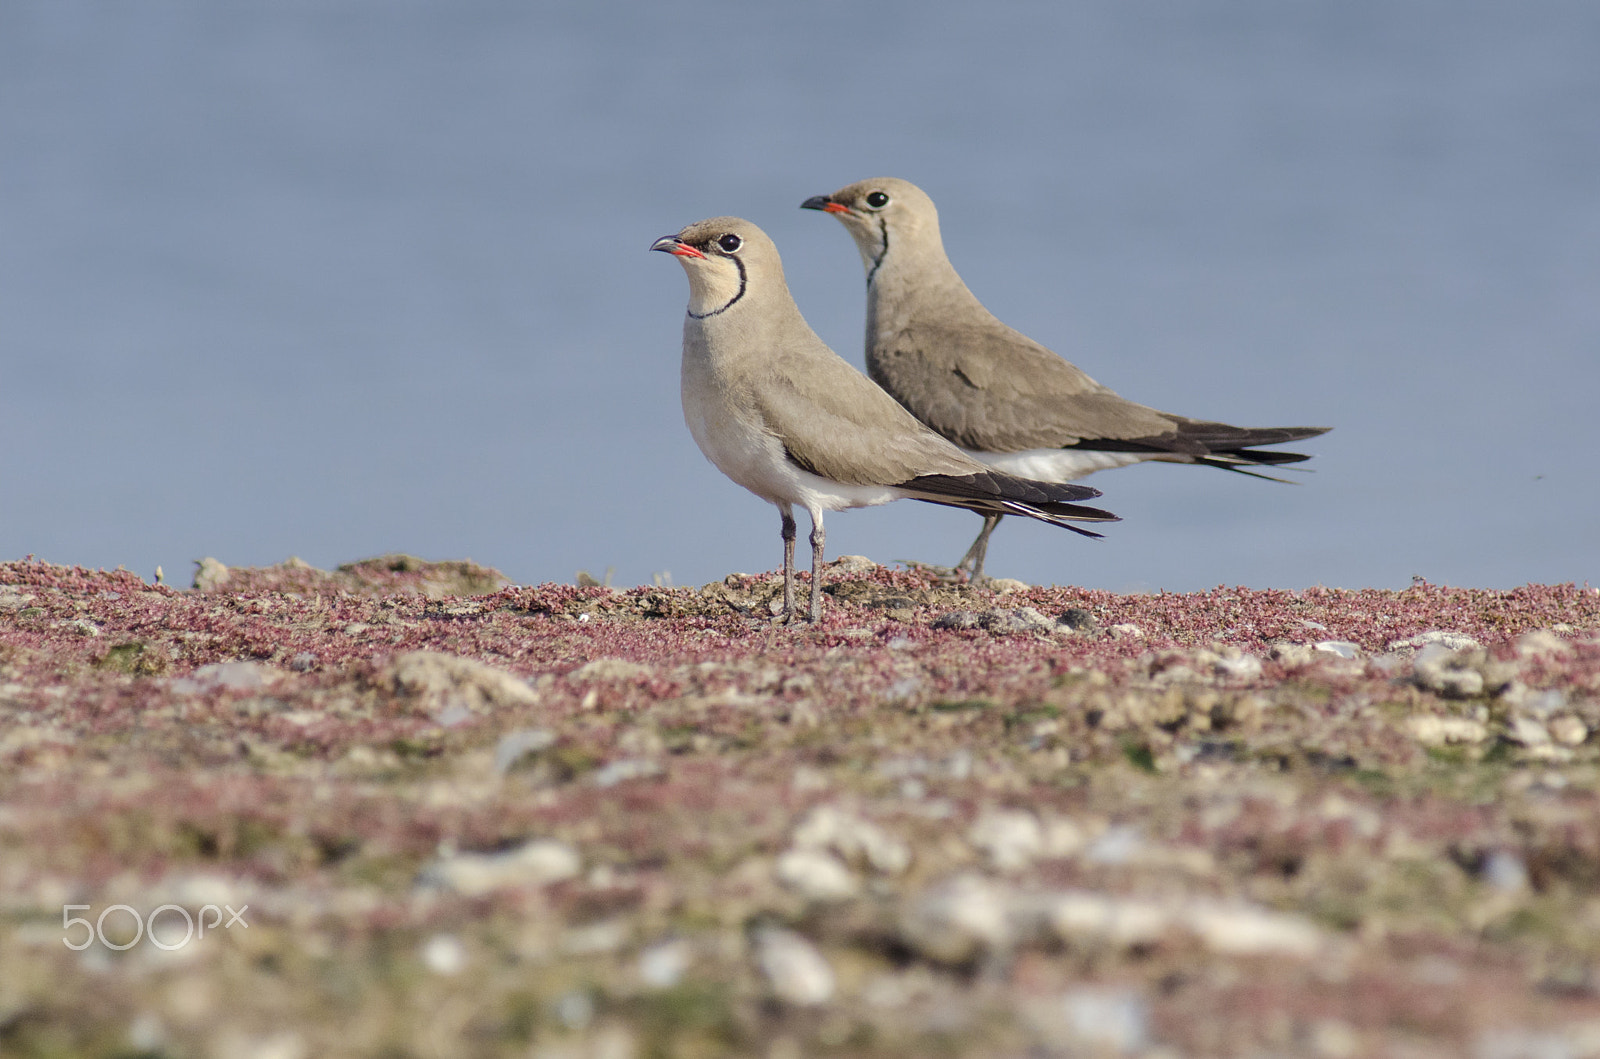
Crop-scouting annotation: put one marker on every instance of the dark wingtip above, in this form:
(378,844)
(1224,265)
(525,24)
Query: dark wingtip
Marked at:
(1078,511)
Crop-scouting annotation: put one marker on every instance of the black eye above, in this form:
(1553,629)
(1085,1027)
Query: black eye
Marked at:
(730,242)
(877,200)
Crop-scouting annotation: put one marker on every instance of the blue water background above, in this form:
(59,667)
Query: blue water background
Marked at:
(339,278)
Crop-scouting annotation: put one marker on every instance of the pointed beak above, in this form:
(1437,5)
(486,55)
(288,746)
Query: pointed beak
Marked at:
(671,244)
(825,204)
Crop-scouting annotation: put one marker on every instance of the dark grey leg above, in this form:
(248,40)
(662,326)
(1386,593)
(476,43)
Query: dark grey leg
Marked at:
(817,538)
(980,548)
(789,532)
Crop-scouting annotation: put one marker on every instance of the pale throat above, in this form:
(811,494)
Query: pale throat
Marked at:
(711,286)
(869,253)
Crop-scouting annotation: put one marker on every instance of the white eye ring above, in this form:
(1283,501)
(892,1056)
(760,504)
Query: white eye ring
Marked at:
(730,243)
(877,200)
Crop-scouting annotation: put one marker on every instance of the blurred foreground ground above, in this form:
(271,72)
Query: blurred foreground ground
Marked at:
(465,818)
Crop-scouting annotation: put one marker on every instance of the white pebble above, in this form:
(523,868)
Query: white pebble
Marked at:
(798,973)
(957,919)
(444,954)
(575,1010)
(853,838)
(1118,1019)
(1012,839)
(1505,871)
(1242,930)
(536,863)
(815,874)
(663,965)
(515,746)
(1430,730)
(623,770)
(1569,730)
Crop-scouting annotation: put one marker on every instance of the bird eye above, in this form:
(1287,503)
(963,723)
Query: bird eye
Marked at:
(877,200)
(730,242)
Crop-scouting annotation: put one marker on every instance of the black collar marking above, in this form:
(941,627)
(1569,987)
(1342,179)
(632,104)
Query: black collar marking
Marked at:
(725,306)
(883,228)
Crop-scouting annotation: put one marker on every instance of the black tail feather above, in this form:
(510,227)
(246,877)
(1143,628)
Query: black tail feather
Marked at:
(995,493)
(1219,441)
(992,486)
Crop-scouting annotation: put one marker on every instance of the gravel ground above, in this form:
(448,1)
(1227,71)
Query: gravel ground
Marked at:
(459,817)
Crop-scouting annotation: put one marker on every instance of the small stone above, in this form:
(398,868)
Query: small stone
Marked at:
(611,669)
(433,681)
(1002,586)
(444,954)
(1505,871)
(452,715)
(285,1044)
(1432,730)
(1451,641)
(596,939)
(1237,666)
(1117,845)
(454,609)
(1003,622)
(1243,930)
(1568,730)
(797,972)
(210,575)
(957,920)
(13,598)
(624,769)
(1541,643)
(147,1034)
(816,875)
(304,662)
(1537,703)
(1086,919)
(1113,1019)
(1334,1039)
(1292,655)
(1011,839)
(1451,673)
(852,564)
(898,608)
(1062,838)
(1126,631)
(1519,1043)
(1340,648)
(575,1009)
(956,619)
(1078,620)
(853,838)
(535,863)
(1528,732)
(514,746)
(664,964)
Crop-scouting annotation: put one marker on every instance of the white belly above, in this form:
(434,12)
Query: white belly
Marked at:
(1058,465)
(757,460)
